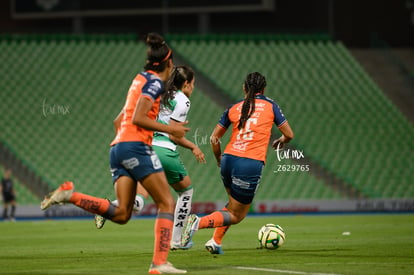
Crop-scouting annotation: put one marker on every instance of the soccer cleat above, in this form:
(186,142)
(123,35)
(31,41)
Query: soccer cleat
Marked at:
(213,247)
(59,196)
(179,247)
(190,227)
(99,221)
(165,268)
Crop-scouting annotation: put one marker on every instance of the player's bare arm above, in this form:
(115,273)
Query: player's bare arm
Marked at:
(117,120)
(199,155)
(287,135)
(215,137)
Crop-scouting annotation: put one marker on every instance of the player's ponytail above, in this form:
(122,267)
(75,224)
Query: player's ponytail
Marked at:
(254,84)
(158,53)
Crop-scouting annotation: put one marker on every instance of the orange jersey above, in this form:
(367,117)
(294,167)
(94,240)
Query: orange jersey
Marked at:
(146,84)
(252,141)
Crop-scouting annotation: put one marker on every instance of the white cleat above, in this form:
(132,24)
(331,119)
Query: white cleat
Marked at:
(213,247)
(165,268)
(59,196)
(179,247)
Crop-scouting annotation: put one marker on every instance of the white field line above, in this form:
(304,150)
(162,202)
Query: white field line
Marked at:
(364,263)
(282,271)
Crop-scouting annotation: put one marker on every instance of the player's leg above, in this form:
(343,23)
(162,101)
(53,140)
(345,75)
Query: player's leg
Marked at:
(125,186)
(177,177)
(241,178)
(13,210)
(140,197)
(214,244)
(220,232)
(65,194)
(157,186)
(184,190)
(125,192)
(5,209)
(139,202)
(128,162)
(234,213)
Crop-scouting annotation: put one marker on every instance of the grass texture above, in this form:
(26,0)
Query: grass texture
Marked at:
(315,244)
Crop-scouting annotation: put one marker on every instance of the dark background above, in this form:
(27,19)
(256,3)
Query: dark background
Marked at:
(356,23)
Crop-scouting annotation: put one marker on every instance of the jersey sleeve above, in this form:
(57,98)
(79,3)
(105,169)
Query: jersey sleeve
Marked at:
(181,109)
(225,120)
(153,88)
(279,117)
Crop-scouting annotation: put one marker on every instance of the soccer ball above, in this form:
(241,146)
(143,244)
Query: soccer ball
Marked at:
(271,236)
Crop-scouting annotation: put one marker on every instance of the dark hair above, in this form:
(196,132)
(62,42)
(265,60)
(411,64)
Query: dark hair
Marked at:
(158,53)
(254,84)
(178,77)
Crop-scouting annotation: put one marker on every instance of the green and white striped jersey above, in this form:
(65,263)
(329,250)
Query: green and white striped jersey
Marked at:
(178,110)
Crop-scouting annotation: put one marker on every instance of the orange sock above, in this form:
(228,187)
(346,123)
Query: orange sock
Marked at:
(219,232)
(91,204)
(215,219)
(162,232)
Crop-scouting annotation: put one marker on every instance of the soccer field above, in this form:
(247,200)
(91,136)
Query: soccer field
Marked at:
(315,244)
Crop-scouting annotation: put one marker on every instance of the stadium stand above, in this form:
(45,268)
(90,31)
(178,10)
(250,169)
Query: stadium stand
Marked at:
(60,98)
(61,93)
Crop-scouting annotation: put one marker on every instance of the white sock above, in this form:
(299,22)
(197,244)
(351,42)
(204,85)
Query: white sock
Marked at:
(182,210)
(115,202)
(138,204)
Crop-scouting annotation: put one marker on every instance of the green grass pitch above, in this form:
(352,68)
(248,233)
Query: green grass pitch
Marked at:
(315,244)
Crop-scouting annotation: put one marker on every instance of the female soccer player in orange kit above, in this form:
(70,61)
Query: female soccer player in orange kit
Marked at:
(243,159)
(132,158)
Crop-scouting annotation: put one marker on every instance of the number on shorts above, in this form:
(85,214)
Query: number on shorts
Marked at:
(156,163)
